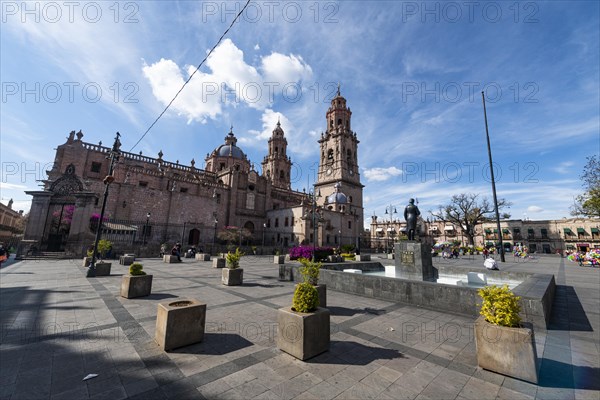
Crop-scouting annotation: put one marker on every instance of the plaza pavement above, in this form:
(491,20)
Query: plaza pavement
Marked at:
(58,326)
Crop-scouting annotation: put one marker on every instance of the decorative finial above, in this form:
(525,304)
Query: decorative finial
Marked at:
(231,130)
(160,154)
(193,162)
(338,92)
(100,143)
(79,135)
(278,120)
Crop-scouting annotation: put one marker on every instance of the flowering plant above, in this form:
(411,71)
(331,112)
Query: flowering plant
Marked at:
(307,252)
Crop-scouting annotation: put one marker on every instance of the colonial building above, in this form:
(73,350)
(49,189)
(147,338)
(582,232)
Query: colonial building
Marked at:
(544,236)
(154,201)
(11,224)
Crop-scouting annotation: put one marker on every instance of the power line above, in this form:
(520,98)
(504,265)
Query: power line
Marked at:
(191,76)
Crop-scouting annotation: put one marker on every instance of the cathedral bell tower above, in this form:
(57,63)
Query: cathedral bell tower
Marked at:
(339,154)
(277,165)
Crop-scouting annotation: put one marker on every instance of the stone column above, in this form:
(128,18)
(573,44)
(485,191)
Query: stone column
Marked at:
(413,261)
(80,235)
(37,215)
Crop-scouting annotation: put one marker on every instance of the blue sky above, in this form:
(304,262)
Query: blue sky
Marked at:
(412,73)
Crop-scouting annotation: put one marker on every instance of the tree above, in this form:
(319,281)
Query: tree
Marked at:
(588,203)
(233,234)
(467,211)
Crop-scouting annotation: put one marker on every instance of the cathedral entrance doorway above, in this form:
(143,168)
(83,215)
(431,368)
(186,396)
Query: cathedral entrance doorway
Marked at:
(194,237)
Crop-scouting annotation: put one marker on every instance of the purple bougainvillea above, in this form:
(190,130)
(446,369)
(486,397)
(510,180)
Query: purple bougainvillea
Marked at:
(307,252)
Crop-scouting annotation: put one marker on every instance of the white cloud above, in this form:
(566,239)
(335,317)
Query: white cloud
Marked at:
(563,167)
(534,209)
(285,69)
(381,174)
(165,78)
(256,47)
(269,120)
(231,81)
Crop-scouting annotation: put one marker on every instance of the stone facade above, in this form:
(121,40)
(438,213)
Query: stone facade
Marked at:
(149,193)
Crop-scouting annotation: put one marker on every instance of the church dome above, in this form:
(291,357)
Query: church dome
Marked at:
(229,149)
(337,196)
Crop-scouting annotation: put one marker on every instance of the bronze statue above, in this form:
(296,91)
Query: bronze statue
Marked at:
(411,213)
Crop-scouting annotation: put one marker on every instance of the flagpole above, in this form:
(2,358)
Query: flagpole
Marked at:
(487,135)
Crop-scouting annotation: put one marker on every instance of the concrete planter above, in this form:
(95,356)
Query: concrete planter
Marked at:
(203,257)
(322,290)
(303,335)
(103,268)
(278,259)
(136,286)
(170,259)
(507,351)
(218,262)
(363,257)
(180,323)
(126,259)
(232,277)
(391,256)
(87,261)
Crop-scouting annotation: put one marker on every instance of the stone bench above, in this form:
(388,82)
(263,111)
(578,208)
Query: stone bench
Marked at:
(170,259)
(203,257)
(362,257)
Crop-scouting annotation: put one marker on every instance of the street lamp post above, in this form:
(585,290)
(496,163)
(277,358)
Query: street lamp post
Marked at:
(146,228)
(314,196)
(391,210)
(114,156)
(215,234)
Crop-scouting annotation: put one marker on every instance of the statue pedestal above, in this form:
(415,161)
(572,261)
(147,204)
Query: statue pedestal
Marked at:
(413,261)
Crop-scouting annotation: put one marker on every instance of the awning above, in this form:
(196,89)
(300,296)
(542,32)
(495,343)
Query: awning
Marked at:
(434,228)
(403,229)
(391,230)
(583,245)
(505,231)
(488,230)
(595,230)
(568,231)
(580,230)
(448,228)
(489,243)
(379,230)
(495,230)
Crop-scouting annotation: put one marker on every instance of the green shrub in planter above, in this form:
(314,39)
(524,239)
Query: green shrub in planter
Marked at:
(310,271)
(306,298)
(500,306)
(233,259)
(136,269)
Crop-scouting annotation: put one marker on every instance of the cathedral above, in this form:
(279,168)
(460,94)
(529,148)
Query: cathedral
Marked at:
(153,201)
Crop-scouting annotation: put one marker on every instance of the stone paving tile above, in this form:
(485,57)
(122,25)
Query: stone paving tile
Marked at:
(476,389)
(360,391)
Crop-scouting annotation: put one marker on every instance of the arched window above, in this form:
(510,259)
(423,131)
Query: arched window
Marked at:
(281,174)
(339,122)
(330,154)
